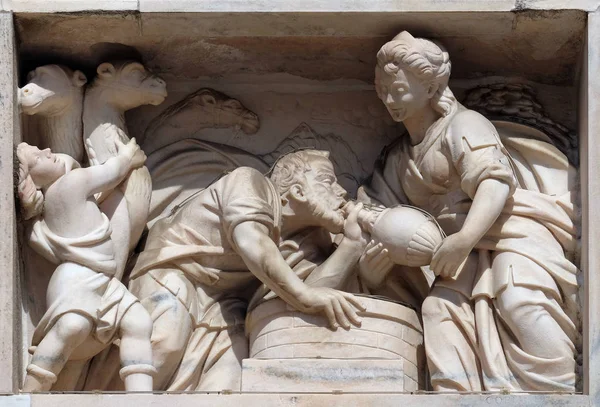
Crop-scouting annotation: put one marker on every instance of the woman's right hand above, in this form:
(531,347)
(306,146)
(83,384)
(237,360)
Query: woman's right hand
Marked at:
(339,307)
(451,255)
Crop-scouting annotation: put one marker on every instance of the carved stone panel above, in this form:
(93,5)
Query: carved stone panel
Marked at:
(369,210)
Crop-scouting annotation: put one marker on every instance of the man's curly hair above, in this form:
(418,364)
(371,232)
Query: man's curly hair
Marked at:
(290,168)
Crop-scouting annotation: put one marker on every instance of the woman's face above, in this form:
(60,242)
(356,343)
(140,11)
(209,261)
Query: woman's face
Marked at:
(402,94)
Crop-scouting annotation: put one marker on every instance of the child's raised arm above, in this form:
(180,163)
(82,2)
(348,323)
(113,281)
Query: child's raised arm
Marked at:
(103,177)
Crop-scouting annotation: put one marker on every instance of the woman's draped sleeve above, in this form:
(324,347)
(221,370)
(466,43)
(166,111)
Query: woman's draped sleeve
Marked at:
(477,152)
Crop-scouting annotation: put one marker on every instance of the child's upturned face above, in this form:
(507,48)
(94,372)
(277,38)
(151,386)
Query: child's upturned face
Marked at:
(44,167)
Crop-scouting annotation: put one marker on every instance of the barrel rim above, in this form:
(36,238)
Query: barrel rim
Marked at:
(412,321)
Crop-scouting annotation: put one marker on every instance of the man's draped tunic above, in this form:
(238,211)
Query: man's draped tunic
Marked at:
(193,255)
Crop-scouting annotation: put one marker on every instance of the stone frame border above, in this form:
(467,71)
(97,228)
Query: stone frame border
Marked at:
(10,315)
(272,6)
(589,130)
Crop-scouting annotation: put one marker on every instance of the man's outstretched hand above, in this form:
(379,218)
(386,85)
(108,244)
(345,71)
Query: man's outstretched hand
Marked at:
(339,307)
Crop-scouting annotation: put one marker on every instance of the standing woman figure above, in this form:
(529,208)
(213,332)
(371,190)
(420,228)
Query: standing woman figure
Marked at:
(501,314)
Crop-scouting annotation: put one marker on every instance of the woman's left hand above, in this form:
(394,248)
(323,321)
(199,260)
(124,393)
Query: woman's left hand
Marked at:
(450,255)
(374,265)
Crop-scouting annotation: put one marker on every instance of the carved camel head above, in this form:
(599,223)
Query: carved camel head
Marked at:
(128,84)
(50,90)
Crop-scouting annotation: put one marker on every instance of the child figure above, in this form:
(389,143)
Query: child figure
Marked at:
(87,307)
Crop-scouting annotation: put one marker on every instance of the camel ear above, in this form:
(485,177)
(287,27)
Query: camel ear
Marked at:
(233,104)
(209,99)
(106,70)
(79,79)
(30,76)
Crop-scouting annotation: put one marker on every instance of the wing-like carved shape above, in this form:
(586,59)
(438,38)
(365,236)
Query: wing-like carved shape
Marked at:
(348,167)
(206,108)
(184,164)
(517,103)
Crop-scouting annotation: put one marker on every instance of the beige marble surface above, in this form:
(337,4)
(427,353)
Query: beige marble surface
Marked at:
(589,156)
(328,375)
(33,6)
(590,159)
(307,400)
(9,259)
(387,331)
(322,46)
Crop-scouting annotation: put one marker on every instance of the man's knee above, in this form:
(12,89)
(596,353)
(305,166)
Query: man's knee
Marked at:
(175,294)
(163,305)
(171,326)
(137,322)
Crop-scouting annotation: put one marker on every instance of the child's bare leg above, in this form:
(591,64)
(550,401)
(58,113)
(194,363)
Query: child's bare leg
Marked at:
(71,377)
(50,356)
(136,350)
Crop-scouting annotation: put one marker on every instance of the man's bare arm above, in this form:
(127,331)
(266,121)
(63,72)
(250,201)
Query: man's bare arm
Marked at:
(334,272)
(264,260)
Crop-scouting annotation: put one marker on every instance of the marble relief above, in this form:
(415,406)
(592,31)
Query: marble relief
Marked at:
(88,307)
(117,88)
(205,267)
(503,312)
(53,96)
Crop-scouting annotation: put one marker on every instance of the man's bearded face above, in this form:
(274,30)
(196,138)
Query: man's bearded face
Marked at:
(325,197)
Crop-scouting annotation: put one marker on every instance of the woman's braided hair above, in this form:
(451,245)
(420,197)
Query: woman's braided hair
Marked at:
(425,59)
